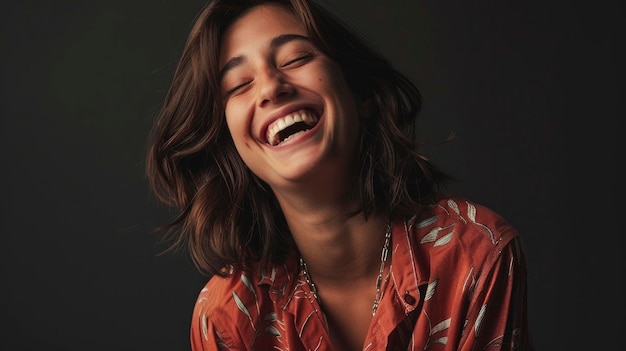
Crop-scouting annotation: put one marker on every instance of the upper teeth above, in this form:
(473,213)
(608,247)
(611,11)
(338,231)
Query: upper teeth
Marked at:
(282,123)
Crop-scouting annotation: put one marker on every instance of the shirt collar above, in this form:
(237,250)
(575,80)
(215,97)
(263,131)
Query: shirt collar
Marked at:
(281,279)
(406,274)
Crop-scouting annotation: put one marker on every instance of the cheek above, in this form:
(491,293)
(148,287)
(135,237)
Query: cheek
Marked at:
(238,127)
(333,81)
(232,127)
(236,121)
(343,95)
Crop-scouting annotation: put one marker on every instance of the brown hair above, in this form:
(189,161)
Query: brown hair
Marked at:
(227,217)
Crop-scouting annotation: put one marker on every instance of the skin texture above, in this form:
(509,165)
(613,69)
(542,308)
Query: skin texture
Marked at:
(273,80)
(270,70)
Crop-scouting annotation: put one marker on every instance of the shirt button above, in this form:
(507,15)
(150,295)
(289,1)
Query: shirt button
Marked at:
(408,298)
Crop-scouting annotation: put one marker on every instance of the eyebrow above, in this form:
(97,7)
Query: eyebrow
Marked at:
(274,43)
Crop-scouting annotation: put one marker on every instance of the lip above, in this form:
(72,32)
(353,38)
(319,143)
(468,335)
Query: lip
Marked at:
(285,111)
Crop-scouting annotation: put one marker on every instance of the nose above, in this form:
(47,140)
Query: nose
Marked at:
(273,87)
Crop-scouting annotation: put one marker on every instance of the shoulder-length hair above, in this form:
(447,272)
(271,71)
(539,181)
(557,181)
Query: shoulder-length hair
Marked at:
(226,216)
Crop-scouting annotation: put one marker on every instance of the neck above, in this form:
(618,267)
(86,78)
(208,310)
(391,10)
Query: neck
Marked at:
(343,254)
(338,247)
(335,289)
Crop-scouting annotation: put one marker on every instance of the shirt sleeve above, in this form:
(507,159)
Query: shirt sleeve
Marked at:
(209,329)
(497,318)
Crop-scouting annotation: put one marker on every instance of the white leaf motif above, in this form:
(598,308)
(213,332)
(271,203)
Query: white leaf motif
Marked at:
(240,305)
(220,343)
(471,212)
(272,331)
(431,236)
(479,319)
(443,325)
(443,340)
(454,206)
(205,330)
(430,290)
(270,316)
(444,239)
(426,222)
(247,283)
(469,283)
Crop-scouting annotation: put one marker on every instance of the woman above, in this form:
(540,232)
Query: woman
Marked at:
(287,146)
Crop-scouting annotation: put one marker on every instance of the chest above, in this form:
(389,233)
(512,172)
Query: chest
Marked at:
(349,319)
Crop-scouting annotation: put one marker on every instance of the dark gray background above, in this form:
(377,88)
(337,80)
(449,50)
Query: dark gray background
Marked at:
(533,91)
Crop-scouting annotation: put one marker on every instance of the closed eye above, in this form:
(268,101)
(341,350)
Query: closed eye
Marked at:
(300,60)
(231,91)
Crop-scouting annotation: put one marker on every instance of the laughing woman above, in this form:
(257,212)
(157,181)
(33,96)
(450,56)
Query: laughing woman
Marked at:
(287,146)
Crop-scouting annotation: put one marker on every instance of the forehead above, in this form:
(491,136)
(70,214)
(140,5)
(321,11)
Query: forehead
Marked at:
(255,29)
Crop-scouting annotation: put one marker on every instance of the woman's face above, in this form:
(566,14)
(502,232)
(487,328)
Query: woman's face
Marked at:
(288,107)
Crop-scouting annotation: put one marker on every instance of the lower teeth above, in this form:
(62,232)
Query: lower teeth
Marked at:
(293,135)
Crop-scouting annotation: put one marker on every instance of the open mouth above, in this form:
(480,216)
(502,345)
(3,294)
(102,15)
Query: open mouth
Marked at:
(291,125)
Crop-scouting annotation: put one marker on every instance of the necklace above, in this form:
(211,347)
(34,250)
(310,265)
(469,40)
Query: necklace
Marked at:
(379,281)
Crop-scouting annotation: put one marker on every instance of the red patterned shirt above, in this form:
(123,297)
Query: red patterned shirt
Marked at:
(457,282)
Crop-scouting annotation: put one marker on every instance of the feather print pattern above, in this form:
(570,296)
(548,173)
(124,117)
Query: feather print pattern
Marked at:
(453,205)
(243,308)
(256,321)
(444,239)
(440,236)
(437,328)
(430,290)
(248,285)
(471,214)
(433,234)
(479,320)
(440,326)
(443,271)
(426,222)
